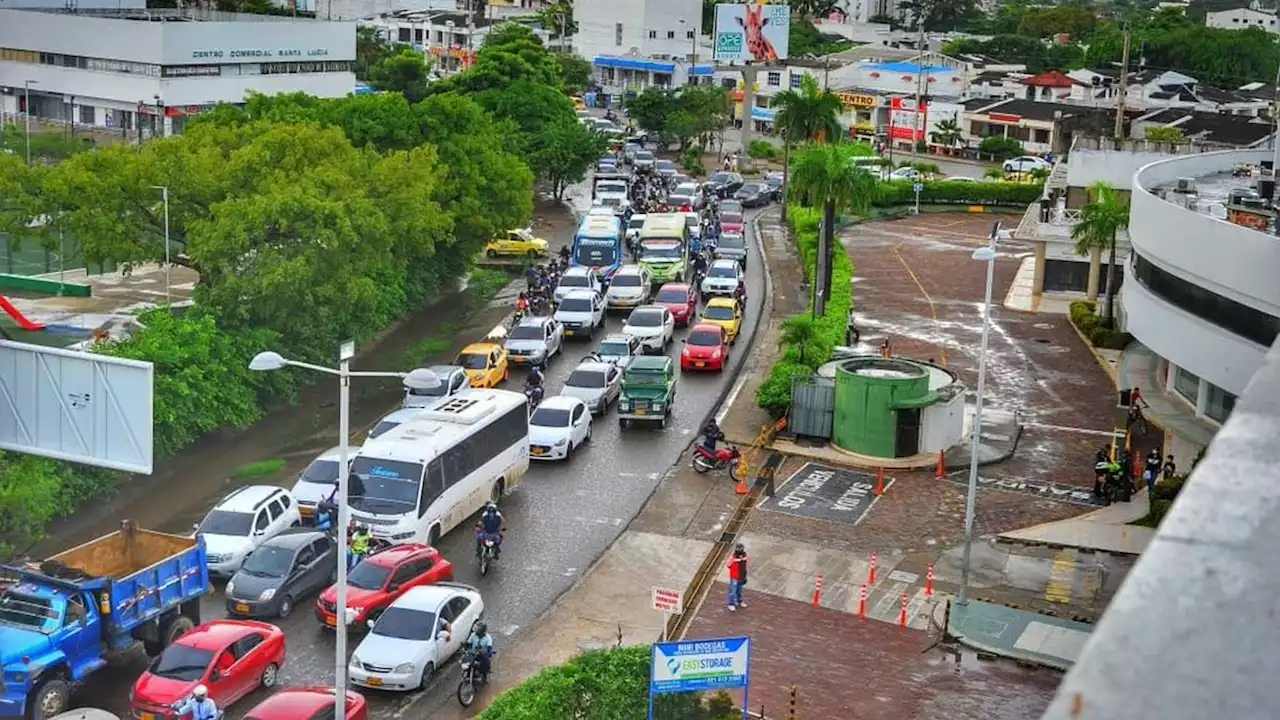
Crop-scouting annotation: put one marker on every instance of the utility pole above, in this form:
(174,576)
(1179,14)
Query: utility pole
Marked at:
(748,104)
(1124,85)
(917,121)
(1275,120)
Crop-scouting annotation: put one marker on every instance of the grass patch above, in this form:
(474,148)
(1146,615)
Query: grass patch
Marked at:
(258,469)
(437,344)
(484,283)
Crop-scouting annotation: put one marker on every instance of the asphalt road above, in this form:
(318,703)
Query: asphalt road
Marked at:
(560,519)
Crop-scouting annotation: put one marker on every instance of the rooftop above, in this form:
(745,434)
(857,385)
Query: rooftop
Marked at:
(172,15)
(1212,192)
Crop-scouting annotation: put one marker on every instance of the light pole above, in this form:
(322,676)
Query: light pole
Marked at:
(419,379)
(165,190)
(693,54)
(983,254)
(26,90)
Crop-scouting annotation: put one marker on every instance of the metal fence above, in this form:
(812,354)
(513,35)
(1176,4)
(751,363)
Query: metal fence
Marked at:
(29,257)
(813,406)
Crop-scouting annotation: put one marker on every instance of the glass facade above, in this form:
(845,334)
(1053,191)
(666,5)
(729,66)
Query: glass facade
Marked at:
(1220,403)
(1187,384)
(1207,305)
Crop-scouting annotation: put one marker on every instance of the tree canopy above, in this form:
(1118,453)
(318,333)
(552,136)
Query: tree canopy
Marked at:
(682,114)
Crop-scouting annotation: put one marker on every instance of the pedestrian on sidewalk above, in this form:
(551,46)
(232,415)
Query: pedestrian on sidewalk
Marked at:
(737,577)
(1170,469)
(1152,470)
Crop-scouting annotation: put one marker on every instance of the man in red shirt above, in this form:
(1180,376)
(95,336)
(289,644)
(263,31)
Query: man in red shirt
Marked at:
(737,577)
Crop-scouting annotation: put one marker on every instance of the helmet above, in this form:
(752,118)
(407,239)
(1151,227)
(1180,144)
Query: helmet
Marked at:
(490,507)
(739,549)
(200,692)
(482,628)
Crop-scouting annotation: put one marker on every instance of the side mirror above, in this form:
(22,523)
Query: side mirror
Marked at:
(215,674)
(259,533)
(393,587)
(195,527)
(684,341)
(369,623)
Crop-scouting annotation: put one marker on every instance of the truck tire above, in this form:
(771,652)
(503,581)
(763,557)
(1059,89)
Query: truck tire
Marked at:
(51,698)
(175,628)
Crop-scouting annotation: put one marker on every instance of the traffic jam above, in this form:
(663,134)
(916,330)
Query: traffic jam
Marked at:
(651,289)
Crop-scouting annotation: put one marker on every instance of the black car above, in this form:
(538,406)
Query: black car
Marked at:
(774,181)
(754,194)
(724,184)
(666,168)
(289,566)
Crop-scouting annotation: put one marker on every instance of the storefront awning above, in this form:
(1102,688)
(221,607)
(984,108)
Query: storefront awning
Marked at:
(634,64)
(764,114)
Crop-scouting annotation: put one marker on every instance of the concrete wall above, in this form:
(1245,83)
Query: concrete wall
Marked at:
(598,21)
(942,425)
(1116,167)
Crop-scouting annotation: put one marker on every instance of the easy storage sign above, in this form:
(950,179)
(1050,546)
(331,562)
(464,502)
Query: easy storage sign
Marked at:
(700,665)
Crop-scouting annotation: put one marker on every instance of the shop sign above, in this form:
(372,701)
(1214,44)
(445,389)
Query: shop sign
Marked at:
(858,100)
(258,53)
(1005,118)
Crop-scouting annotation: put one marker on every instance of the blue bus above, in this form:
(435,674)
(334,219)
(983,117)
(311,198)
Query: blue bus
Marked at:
(598,244)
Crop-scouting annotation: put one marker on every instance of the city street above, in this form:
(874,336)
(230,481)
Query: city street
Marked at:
(560,519)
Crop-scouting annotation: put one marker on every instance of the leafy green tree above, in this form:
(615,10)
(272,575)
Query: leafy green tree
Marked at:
(1164,134)
(564,150)
(1000,148)
(940,15)
(947,134)
(814,8)
(575,73)
(649,109)
(808,113)
(1100,222)
(683,114)
(805,39)
(1074,20)
(557,18)
(405,73)
(798,331)
(371,47)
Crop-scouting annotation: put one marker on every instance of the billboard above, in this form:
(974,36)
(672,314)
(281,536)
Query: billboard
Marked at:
(906,122)
(700,666)
(751,33)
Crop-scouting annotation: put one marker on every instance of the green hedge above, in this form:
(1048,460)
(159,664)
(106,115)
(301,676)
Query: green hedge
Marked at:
(774,394)
(959,192)
(1084,316)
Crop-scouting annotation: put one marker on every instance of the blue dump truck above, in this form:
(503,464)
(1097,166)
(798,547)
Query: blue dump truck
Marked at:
(60,618)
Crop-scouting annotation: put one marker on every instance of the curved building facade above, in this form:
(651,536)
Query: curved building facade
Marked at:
(1203,295)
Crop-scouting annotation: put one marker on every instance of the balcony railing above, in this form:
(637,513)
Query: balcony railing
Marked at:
(1192,633)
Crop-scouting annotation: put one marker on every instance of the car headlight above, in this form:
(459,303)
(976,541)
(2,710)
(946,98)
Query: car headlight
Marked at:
(657,406)
(562,442)
(353,613)
(715,355)
(355,661)
(231,588)
(267,594)
(404,668)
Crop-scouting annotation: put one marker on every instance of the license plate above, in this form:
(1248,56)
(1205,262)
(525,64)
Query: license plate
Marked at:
(699,364)
(331,621)
(516,359)
(642,412)
(148,716)
(539,452)
(242,608)
(305,511)
(375,682)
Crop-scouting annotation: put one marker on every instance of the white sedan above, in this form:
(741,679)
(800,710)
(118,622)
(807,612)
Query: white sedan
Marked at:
(416,634)
(595,383)
(560,425)
(653,326)
(1025,164)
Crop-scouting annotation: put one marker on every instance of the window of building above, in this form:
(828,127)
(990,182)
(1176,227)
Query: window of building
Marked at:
(1220,403)
(1187,384)
(795,80)
(775,79)
(617,34)
(87,115)
(728,83)
(307,67)
(688,34)
(671,34)
(653,34)
(404,34)
(1207,305)
(417,35)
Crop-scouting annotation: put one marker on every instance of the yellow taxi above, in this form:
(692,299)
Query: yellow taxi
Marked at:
(485,363)
(516,242)
(725,312)
(578,102)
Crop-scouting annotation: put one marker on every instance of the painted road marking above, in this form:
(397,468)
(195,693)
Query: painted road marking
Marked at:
(1064,428)
(933,309)
(733,395)
(904,576)
(1061,577)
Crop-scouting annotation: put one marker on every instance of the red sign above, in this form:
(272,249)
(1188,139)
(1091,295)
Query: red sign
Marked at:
(1005,118)
(667,601)
(906,122)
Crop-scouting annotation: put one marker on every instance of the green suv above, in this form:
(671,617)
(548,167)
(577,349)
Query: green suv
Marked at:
(648,390)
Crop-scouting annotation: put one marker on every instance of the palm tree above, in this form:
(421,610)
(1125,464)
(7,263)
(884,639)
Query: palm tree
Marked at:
(810,114)
(1100,222)
(947,134)
(798,331)
(825,175)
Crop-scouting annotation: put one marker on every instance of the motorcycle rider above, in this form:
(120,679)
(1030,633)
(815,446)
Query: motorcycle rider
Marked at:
(700,266)
(490,527)
(564,255)
(360,541)
(522,304)
(199,706)
(482,643)
(711,434)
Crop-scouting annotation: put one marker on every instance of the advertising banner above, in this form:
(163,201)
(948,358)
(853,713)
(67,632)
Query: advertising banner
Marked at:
(700,665)
(751,33)
(906,122)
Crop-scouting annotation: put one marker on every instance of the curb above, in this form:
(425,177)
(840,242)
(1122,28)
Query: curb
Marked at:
(1001,652)
(1002,540)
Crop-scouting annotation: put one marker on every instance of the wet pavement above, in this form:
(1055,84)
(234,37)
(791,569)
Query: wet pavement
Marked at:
(560,520)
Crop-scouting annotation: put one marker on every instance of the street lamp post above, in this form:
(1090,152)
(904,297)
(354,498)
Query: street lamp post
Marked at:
(26,90)
(983,254)
(419,379)
(165,190)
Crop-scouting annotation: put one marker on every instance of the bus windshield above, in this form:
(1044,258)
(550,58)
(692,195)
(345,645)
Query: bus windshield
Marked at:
(384,486)
(662,250)
(596,252)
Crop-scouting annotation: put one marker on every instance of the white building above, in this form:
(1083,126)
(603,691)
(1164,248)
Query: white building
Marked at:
(109,69)
(635,44)
(451,38)
(1242,18)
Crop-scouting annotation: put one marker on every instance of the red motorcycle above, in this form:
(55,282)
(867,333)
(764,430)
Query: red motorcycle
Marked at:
(704,461)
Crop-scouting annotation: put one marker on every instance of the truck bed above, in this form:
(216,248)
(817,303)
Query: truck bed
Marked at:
(124,552)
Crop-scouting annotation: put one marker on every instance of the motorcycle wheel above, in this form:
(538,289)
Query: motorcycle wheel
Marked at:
(700,465)
(484,564)
(466,691)
(733,469)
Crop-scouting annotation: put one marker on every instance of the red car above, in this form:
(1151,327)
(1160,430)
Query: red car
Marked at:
(232,658)
(731,222)
(307,703)
(706,348)
(379,579)
(680,299)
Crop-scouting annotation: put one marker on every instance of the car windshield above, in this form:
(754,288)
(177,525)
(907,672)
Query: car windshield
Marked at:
(368,576)
(28,611)
(645,318)
(687,189)
(550,417)
(665,165)
(269,561)
(526,332)
(661,252)
(717,312)
(611,187)
(731,242)
(773,182)
(730,206)
(704,338)
(673,296)
(722,271)
(439,390)
(691,221)
(387,486)
(224,522)
(405,624)
(576,305)
(575,281)
(753,188)
(722,178)
(321,472)
(645,377)
(474,361)
(630,281)
(636,222)
(644,155)
(613,348)
(731,218)
(179,662)
(597,252)
(383,427)
(586,379)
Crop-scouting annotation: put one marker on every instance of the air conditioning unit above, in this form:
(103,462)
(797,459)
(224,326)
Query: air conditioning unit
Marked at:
(1239,196)
(1185,185)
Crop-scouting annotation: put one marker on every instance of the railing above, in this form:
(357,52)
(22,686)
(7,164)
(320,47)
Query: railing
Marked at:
(1192,632)
(1145,146)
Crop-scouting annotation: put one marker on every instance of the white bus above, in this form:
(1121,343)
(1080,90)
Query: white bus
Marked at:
(421,479)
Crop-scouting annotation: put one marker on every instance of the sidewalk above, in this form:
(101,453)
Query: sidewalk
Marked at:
(1106,529)
(1016,634)
(1138,369)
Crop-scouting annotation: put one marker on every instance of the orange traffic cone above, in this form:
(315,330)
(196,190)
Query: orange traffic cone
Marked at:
(942,467)
(742,488)
(871,574)
(862,601)
(880,483)
(902,616)
(817,592)
(928,583)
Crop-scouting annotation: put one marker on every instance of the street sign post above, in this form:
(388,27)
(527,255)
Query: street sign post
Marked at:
(701,666)
(668,602)
(917,188)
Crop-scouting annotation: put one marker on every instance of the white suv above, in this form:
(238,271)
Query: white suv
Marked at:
(318,482)
(581,313)
(409,641)
(653,326)
(578,278)
(242,521)
(629,287)
(724,277)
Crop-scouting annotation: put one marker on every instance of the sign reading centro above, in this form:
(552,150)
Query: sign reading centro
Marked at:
(253,54)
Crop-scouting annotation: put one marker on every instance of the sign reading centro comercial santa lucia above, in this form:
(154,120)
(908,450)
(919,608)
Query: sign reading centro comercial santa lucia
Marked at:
(700,666)
(257,53)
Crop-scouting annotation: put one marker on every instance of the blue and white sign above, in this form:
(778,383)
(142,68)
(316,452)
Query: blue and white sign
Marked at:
(700,665)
